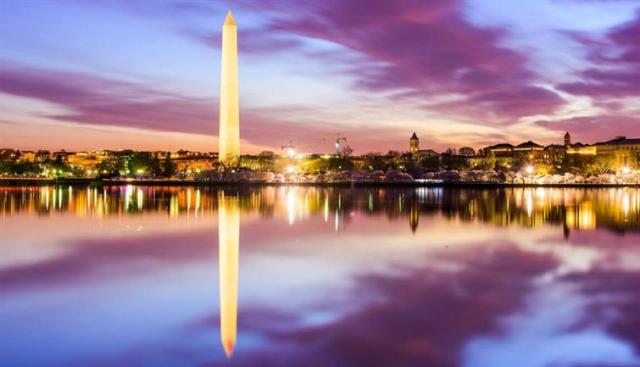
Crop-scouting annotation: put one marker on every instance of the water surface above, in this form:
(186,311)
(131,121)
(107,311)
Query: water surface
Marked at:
(307,276)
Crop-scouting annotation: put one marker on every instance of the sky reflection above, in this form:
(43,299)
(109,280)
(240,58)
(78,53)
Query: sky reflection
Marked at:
(326,276)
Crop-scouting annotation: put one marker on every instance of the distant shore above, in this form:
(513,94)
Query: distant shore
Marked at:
(346,183)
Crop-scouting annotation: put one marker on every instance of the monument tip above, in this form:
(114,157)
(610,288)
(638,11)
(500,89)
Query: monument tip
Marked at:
(229,19)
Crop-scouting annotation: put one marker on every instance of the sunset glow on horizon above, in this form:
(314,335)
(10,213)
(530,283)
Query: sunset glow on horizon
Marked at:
(84,75)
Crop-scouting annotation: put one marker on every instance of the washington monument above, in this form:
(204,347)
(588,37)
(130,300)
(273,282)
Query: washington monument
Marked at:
(229,136)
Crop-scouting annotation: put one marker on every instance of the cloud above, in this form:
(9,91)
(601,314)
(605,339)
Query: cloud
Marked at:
(101,101)
(91,260)
(420,316)
(93,100)
(426,48)
(617,63)
(255,41)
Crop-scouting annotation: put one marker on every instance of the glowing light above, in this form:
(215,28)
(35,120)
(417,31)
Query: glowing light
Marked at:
(291,152)
(291,169)
(140,171)
(529,169)
(626,170)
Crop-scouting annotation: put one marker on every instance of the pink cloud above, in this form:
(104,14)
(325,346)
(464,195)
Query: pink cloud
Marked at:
(100,101)
(428,48)
(617,57)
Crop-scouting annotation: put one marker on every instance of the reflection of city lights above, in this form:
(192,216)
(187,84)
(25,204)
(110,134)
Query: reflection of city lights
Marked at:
(540,194)
(587,216)
(528,197)
(140,199)
(127,196)
(626,203)
(326,209)
(291,206)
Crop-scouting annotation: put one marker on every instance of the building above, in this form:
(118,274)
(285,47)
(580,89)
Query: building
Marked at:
(622,151)
(193,165)
(427,153)
(8,154)
(579,149)
(414,144)
(42,156)
(87,160)
(555,154)
(500,150)
(60,156)
(27,156)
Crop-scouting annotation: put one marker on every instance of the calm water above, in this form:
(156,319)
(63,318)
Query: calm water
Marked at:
(303,276)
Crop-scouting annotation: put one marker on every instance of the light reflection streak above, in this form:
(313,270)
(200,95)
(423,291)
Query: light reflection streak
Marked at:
(291,206)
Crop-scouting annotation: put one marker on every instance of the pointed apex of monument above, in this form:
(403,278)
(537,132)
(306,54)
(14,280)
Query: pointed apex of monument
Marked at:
(229,19)
(414,136)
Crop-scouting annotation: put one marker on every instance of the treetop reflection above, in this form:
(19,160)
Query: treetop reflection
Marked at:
(614,208)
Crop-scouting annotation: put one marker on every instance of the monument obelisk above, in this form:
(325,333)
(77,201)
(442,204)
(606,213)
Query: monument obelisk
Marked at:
(229,137)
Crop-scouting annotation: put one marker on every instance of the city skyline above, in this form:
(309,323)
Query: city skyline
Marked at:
(144,76)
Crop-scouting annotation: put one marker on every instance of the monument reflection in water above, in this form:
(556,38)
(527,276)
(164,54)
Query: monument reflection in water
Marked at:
(125,275)
(228,242)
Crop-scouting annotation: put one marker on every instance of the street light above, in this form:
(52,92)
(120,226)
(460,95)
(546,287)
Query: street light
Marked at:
(529,169)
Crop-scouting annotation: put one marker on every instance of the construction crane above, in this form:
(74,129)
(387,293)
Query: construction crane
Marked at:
(289,149)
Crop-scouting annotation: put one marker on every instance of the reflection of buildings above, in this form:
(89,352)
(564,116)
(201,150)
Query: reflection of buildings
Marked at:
(580,216)
(613,208)
(228,247)
(414,216)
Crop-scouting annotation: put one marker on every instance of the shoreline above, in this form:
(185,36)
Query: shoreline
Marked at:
(14,182)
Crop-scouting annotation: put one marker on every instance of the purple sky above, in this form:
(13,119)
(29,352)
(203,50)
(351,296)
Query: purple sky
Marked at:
(81,74)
